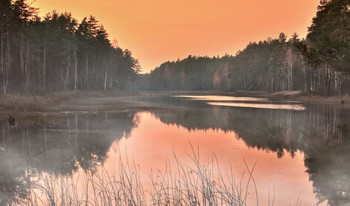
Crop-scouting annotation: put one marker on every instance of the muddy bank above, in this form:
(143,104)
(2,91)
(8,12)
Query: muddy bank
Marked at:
(47,109)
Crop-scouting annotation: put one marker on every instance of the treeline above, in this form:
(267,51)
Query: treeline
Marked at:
(56,53)
(318,64)
(192,73)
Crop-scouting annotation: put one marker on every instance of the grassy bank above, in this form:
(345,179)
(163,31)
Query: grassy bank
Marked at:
(25,103)
(13,103)
(124,101)
(120,100)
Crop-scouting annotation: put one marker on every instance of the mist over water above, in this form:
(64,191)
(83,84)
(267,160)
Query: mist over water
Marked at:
(299,154)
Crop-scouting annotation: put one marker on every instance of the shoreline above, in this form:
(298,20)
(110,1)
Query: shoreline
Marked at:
(277,96)
(38,110)
(75,101)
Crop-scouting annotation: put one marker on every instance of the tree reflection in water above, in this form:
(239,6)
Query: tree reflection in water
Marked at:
(321,133)
(56,144)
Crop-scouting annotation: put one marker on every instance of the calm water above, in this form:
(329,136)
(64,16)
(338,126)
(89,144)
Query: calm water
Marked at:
(301,152)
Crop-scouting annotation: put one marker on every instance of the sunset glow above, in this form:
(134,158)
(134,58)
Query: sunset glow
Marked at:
(157,31)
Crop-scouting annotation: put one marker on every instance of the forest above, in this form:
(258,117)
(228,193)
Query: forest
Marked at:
(318,64)
(58,53)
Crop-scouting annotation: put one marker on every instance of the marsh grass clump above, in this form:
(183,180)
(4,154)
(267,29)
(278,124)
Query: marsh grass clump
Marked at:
(32,102)
(191,183)
(200,184)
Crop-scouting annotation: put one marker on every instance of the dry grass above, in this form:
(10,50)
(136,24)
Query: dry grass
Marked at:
(24,103)
(183,185)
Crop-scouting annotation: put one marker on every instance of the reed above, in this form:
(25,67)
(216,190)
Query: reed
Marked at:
(192,183)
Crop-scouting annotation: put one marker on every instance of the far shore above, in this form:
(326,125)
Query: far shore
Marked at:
(46,108)
(276,96)
(123,100)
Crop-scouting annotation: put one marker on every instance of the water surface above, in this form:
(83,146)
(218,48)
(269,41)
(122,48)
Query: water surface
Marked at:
(301,155)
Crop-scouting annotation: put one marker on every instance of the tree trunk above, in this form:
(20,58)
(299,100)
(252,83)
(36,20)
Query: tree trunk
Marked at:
(87,71)
(68,68)
(290,61)
(272,84)
(44,66)
(105,79)
(21,58)
(305,80)
(8,64)
(26,69)
(75,69)
(2,58)
(107,71)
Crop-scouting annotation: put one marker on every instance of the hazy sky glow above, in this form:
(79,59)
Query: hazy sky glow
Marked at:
(160,30)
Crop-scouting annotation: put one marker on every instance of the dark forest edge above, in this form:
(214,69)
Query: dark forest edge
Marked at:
(316,65)
(56,53)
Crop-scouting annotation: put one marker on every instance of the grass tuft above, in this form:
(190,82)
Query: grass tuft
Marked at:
(192,184)
(21,102)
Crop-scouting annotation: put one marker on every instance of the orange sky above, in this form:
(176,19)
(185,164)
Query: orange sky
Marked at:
(160,30)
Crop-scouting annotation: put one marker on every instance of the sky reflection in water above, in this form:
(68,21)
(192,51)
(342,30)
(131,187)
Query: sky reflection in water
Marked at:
(297,107)
(151,148)
(221,98)
(244,102)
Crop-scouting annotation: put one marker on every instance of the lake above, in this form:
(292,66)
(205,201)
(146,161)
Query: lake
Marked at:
(241,150)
